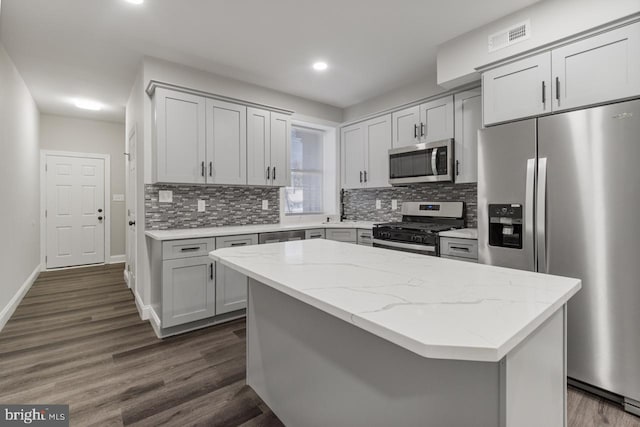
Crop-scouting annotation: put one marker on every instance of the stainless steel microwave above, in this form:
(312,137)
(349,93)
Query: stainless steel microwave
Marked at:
(427,162)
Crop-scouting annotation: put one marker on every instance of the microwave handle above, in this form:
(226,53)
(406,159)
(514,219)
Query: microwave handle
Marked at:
(434,161)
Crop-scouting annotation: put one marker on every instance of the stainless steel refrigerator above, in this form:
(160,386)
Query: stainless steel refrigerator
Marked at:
(561,195)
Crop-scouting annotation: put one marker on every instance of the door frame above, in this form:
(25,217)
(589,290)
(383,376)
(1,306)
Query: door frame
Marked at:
(43,202)
(133,133)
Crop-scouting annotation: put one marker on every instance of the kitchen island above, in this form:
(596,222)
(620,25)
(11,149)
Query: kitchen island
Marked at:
(339,334)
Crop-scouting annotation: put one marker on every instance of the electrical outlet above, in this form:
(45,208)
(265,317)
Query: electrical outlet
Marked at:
(201,206)
(394,205)
(378,204)
(165,196)
(265,205)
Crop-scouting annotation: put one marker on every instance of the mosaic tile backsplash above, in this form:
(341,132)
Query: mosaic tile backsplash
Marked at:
(224,206)
(360,204)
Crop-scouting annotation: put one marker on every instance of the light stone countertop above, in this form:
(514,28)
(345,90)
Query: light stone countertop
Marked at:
(432,306)
(198,233)
(463,233)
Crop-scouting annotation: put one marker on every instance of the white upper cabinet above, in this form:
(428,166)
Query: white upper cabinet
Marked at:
(258,145)
(436,120)
(377,137)
(468,120)
(405,127)
(268,139)
(280,149)
(180,147)
(598,69)
(226,143)
(365,153)
(352,141)
(516,90)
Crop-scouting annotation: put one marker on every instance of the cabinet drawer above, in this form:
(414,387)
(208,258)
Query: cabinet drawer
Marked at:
(365,237)
(174,249)
(461,248)
(317,233)
(347,235)
(457,258)
(233,241)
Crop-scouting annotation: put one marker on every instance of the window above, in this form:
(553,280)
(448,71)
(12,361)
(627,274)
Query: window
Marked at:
(306,194)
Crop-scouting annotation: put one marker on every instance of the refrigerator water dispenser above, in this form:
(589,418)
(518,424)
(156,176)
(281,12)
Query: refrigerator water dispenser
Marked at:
(505,225)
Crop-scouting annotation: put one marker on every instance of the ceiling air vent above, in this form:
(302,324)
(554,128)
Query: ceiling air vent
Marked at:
(510,36)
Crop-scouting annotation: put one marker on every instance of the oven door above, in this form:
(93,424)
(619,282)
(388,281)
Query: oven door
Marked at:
(405,247)
(428,162)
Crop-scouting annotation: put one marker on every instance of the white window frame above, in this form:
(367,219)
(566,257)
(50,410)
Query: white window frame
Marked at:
(331,172)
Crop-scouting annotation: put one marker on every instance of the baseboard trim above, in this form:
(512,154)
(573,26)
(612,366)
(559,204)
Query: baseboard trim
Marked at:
(155,322)
(143,309)
(7,311)
(115,259)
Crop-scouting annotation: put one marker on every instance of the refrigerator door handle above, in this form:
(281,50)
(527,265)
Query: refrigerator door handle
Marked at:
(541,217)
(528,214)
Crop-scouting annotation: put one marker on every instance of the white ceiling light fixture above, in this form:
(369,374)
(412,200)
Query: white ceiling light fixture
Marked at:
(86,104)
(135,1)
(320,66)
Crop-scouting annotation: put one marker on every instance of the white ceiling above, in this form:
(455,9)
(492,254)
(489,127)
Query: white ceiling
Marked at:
(67,49)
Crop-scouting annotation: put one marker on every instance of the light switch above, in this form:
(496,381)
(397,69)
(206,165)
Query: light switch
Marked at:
(394,205)
(118,197)
(201,206)
(165,196)
(265,205)
(378,204)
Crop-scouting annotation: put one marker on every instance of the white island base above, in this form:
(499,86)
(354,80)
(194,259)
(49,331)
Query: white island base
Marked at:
(313,369)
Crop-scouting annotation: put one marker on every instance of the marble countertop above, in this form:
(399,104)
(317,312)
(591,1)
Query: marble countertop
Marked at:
(432,306)
(198,233)
(463,233)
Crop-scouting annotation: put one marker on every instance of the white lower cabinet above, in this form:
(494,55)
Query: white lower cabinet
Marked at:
(459,249)
(317,233)
(347,235)
(365,237)
(188,282)
(231,286)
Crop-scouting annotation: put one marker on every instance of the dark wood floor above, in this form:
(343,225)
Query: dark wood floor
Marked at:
(76,338)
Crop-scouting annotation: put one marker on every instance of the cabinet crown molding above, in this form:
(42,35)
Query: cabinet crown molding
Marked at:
(154,84)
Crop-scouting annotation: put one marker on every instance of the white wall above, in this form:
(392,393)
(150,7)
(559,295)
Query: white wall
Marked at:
(19,187)
(95,137)
(406,94)
(551,20)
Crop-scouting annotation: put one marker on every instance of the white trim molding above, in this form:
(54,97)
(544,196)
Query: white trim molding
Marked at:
(115,259)
(8,310)
(43,200)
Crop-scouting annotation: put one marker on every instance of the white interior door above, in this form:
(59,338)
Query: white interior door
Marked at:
(131,209)
(75,211)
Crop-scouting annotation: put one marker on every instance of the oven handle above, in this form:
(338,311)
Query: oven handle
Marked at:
(391,244)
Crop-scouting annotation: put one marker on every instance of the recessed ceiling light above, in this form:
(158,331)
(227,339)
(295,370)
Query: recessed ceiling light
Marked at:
(88,105)
(135,1)
(320,66)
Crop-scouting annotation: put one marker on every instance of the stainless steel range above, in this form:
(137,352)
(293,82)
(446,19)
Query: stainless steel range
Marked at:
(419,228)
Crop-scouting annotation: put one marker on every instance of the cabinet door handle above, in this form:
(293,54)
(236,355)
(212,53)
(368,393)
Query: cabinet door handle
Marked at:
(194,248)
(360,176)
(202,169)
(457,167)
(459,248)
(268,173)
(365,176)
(544,93)
(239,244)
(211,271)
(210,168)
(558,88)
(421,129)
(274,173)
(415,131)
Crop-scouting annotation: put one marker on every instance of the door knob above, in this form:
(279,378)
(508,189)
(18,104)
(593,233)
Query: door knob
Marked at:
(99,218)
(99,210)
(132,223)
